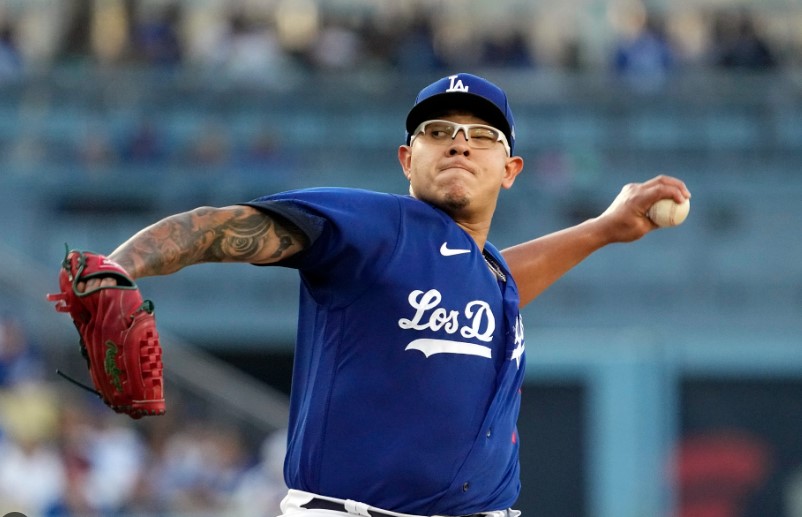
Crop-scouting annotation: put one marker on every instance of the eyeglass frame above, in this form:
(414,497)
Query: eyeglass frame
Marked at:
(464,128)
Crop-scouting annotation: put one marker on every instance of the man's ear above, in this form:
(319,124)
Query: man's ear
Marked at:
(512,169)
(405,159)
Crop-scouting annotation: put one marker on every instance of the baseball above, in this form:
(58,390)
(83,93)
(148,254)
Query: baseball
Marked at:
(668,212)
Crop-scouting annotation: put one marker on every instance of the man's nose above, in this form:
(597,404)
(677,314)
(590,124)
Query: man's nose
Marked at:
(459,144)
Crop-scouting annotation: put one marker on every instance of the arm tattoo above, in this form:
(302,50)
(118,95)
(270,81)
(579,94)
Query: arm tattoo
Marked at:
(208,235)
(238,237)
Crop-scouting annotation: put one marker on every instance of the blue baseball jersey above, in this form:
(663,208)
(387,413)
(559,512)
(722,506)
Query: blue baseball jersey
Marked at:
(409,357)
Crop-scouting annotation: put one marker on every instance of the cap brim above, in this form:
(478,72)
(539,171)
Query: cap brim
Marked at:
(444,103)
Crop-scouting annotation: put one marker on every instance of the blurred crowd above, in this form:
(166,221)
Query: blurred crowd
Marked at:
(64,454)
(262,40)
(276,44)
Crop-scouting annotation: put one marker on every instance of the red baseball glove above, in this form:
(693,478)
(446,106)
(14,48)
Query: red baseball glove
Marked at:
(118,336)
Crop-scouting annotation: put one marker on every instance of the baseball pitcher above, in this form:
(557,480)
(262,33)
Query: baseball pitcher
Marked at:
(410,350)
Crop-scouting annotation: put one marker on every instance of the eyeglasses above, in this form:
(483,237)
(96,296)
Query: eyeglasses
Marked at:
(479,136)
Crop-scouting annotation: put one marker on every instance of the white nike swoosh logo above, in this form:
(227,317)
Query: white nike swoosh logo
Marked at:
(450,252)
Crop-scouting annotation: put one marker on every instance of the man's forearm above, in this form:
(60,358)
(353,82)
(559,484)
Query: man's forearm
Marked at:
(201,235)
(538,263)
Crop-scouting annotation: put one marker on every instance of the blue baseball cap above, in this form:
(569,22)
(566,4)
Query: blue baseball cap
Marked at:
(463,92)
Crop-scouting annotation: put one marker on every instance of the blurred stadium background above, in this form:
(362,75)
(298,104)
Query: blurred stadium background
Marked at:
(664,377)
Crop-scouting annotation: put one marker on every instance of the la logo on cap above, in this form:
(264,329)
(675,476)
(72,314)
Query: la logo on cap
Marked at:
(456,84)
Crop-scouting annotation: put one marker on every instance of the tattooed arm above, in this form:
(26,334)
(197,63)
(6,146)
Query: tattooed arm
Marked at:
(230,234)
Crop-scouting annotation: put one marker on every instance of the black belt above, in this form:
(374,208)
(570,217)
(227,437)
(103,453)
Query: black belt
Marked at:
(324,504)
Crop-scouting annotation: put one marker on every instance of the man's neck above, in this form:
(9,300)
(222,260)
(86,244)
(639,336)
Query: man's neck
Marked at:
(478,231)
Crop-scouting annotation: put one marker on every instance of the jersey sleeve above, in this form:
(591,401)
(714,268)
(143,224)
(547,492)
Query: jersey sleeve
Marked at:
(310,224)
(352,234)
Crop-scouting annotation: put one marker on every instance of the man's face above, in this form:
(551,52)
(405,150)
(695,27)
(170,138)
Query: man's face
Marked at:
(456,176)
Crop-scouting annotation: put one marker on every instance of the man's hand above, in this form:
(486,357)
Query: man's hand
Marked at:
(625,220)
(95,283)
